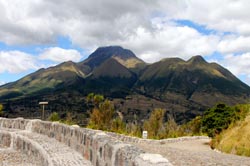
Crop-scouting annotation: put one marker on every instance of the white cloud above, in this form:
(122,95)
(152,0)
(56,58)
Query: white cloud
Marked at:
(90,24)
(57,54)
(234,44)
(85,22)
(223,15)
(16,62)
(146,27)
(2,83)
(97,23)
(239,65)
(170,41)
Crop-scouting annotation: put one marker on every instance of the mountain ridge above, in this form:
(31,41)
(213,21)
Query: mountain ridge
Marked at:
(184,88)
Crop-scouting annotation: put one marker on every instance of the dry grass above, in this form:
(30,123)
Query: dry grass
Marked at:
(236,139)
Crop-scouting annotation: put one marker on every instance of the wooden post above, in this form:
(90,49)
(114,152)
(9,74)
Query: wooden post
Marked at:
(43,103)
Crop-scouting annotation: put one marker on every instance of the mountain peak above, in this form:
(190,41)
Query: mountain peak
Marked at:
(197,59)
(123,56)
(110,51)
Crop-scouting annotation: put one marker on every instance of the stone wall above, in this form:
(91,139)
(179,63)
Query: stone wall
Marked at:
(130,139)
(18,142)
(96,146)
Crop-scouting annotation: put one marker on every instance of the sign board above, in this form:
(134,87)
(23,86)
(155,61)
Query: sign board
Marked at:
(43,103)
(145,134)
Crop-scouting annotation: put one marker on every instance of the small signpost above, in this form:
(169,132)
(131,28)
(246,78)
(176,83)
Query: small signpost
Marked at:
(43,103)
(145,134)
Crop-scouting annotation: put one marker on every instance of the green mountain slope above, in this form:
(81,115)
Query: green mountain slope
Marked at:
(183,88)
(194,80)
(42,81)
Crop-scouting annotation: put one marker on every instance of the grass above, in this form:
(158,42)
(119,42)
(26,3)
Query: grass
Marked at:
(236,139)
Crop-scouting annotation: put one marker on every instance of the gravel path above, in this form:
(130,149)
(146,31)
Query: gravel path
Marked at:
(194,153)
(10,157)
(57,153)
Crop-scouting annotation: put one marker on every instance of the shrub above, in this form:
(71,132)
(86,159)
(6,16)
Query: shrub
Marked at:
(193,127)
(133,130)
(54,117)
(118,126)
(102,114)
(154,125)
(172,129)
(218,118)
(1,110)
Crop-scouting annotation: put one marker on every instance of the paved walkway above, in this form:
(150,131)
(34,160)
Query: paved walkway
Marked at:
(58,154)
(194,153)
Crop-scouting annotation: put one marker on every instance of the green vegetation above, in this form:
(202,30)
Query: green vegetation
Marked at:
(193,127)
(54,117)
(172,129)
(228,127)
(217,118)
(104,117)
(236,139)
(157,129)
(101,116)
(1,110)
(154,125)
(94,99)
(220,117)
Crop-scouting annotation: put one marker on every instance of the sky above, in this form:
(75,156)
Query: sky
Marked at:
(42,33)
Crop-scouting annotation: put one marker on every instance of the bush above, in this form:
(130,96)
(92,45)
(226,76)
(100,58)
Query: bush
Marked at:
(218,118)
(118,126)
(1,110)
(133,130)
(193,127)
(172,129)
(154,125)
(102,115)
(54,117)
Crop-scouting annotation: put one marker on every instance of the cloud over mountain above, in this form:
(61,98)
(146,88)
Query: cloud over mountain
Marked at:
(58,55)
(153,29)
(16,62)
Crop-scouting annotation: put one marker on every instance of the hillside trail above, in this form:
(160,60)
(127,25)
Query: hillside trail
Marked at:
(195,152)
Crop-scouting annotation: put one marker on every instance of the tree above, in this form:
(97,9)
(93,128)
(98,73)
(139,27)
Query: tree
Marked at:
(102,114)
(94,99)
(154,125)
(217,118)
(172,129)
(1,110)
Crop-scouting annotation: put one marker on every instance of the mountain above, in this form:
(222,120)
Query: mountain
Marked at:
(124,56)
(184,88)
(43,80)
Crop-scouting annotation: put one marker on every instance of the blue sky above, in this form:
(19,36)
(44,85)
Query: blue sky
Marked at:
(43,33)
